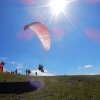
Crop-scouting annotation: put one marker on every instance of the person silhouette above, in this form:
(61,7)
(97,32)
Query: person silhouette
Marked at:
(36,73)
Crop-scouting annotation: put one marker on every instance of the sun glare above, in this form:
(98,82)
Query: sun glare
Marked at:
(58,5)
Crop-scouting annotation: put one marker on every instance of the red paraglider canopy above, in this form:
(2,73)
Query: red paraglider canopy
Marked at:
(42,32)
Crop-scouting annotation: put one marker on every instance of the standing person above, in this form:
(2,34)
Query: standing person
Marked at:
(26,71)
(16,71)
(13,72)
(1,66)
(29,71)
(36,73)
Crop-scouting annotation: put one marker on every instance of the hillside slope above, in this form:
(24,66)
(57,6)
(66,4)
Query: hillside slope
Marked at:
(21,87)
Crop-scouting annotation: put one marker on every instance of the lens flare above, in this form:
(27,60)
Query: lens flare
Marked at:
(57,5)
(36,84)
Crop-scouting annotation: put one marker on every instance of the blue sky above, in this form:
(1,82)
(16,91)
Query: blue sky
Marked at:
(75,37)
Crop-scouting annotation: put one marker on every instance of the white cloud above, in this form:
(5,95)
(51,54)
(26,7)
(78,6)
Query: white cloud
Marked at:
(13,62)
(3,58)
(88,66)
(39,73)
(4,69)
(79,67)
(90,74)
(93,74)
(19,71)
(20,66)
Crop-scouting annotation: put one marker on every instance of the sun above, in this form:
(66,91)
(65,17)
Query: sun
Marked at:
(58,5)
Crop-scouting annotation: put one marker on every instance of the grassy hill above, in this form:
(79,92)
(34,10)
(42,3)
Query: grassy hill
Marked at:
(21,87)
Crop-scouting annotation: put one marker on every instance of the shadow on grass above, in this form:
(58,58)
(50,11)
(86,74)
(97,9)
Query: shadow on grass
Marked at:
(19,87)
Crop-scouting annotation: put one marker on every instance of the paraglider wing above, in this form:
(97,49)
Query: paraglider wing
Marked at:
(26,27)
(42,32)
